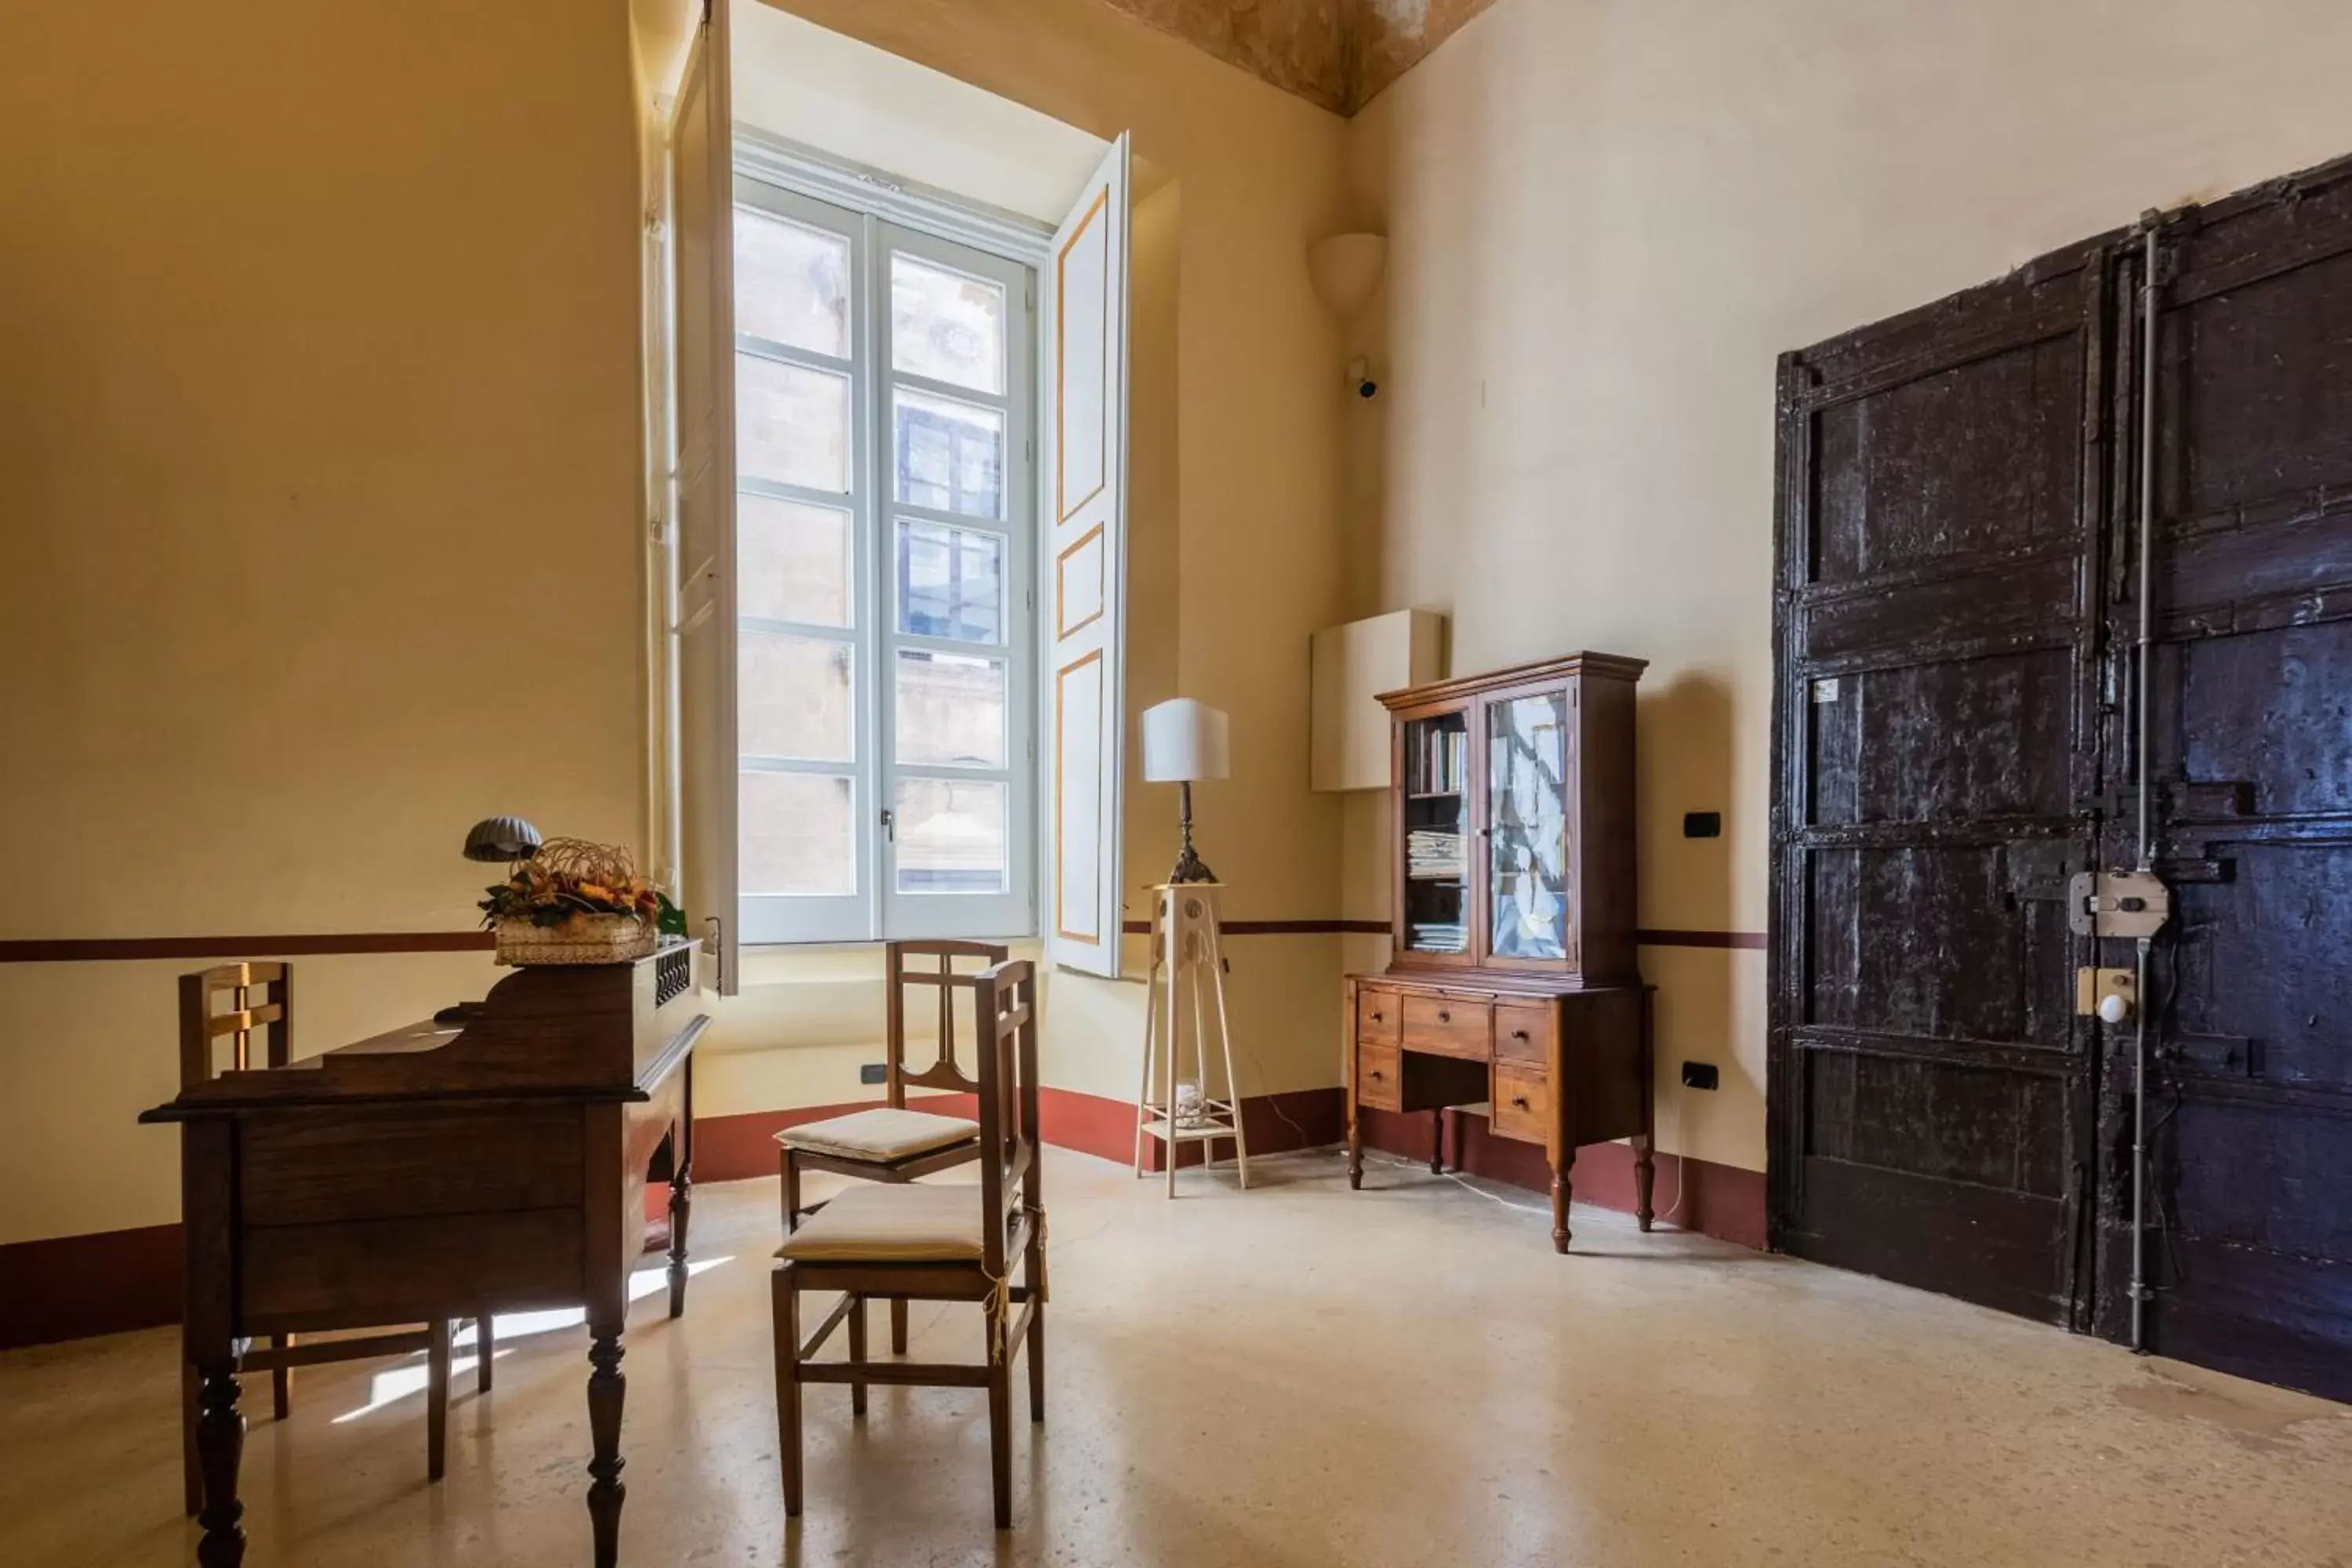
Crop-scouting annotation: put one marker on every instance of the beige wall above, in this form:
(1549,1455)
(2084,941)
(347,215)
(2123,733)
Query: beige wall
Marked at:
(318,347)
(321,413)
(1606,217)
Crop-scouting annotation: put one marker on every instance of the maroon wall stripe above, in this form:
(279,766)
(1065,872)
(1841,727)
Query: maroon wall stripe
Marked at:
(1755,939)
(72,950)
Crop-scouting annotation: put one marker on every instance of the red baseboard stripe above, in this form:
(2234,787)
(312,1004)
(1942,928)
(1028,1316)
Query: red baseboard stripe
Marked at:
(72,1287)
(1722,1201)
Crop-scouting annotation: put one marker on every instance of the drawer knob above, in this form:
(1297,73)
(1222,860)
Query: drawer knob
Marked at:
(1376,1015)
(1377,1074)
(1444,1017)
(1521,1101)
(1518,1034)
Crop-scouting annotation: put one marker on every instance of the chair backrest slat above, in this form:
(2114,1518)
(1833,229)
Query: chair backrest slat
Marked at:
(946,1071)
(1009,1175)
(202,1021)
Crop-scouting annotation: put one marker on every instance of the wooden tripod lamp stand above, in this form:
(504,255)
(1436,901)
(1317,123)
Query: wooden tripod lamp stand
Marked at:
(1184,741)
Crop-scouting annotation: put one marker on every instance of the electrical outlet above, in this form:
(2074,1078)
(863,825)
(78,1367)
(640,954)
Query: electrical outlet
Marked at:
(873,1072)
(1702,1074)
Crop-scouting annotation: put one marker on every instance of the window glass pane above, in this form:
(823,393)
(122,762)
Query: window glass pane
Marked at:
(950,582)
(795,834)
(791,283)
(951,455)
(1526,831)
(792,424)
(950,836)
(796,562)
(951,709)
(945,326)
(792,698)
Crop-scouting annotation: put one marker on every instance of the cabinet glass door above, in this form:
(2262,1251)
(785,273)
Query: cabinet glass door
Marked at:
(1527,827)
(1435,850)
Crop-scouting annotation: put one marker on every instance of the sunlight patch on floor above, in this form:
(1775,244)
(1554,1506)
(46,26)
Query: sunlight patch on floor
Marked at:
(408,1377)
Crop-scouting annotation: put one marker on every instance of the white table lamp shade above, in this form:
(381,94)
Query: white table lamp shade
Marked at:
(1185,741)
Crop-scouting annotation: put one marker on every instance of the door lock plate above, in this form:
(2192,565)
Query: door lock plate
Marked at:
(2117,903)
(2093,987)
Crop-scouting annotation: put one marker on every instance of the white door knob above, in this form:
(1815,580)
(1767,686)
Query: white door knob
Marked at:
(2113,1008)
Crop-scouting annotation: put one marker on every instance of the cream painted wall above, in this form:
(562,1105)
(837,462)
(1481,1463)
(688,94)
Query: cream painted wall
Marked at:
(320,409)
(1607,218)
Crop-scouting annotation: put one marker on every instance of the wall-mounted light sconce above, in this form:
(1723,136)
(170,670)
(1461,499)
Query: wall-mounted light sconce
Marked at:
(1346,268)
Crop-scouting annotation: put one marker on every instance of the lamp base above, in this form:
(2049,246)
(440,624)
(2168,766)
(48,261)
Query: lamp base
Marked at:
(1188,869)
(1188,865)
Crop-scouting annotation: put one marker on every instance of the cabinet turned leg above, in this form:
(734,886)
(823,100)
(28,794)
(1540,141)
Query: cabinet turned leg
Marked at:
(681,1210)
(1560,1199)
(607,1388)
(1355,1153)
(1645,1172)
(220,1444)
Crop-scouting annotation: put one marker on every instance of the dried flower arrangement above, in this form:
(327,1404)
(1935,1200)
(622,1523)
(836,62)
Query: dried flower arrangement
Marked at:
(578,902)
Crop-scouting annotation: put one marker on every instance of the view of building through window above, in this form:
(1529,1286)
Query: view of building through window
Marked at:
(878,558)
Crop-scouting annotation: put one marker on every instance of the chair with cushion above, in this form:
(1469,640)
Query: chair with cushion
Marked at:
(260,998)
(893,1143)
(936,1242)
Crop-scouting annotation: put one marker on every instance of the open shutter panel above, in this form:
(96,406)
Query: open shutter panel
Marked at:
(1083,603)
(702,186)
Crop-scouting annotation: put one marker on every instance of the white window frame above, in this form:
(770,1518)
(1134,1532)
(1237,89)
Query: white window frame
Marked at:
(880,218)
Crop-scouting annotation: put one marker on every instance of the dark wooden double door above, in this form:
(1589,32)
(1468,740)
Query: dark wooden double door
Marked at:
(1954,736)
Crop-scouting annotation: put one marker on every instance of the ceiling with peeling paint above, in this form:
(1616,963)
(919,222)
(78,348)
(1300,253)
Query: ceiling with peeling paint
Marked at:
(1337,53)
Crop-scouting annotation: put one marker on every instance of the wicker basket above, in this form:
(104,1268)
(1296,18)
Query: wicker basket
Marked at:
(582,939)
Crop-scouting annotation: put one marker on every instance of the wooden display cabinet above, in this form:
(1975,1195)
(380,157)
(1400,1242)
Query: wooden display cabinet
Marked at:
(1514,983)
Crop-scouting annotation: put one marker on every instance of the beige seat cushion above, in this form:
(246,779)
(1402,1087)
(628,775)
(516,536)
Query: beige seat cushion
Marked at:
(915,1223)
(884,1136)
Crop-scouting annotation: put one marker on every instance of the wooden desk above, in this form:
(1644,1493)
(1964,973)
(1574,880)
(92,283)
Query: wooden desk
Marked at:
(1557,1068)
(440,1172)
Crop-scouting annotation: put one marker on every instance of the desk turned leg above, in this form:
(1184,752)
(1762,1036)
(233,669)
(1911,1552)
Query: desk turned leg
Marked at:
(220,1444)
(606,1388)
(1355,1153)
(681,1208)
(1437,1142)
(1644,1172)
(1560,1192)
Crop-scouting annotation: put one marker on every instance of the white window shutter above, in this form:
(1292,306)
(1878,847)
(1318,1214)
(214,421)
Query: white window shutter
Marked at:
(702,205)
(1082,600)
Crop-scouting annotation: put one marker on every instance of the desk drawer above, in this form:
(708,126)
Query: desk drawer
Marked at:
(1522,1033)
(1380,1077)
(1522,1103)
(1377,1017)
(1444,1026)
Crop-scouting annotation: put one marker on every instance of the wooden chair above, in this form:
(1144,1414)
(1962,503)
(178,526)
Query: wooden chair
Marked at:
(261,999)
(936,1242)
(894,1143)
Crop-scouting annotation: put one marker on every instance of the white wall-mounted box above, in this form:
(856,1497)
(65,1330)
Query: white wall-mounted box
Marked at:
(1347,741)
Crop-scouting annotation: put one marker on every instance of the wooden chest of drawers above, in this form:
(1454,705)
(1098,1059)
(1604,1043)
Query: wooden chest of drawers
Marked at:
(1554,1067)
